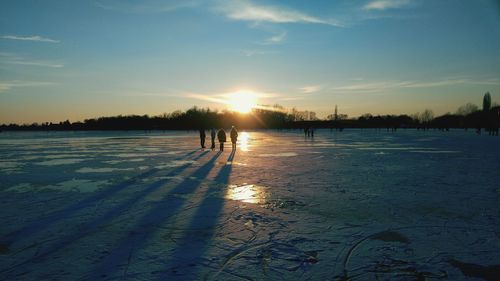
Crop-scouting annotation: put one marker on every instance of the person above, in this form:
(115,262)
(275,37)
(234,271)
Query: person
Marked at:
(202,137)
(221,135)
(312,132)
(306,132)
(234,137)
(212,136)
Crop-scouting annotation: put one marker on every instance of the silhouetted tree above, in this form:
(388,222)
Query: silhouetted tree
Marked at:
(466,109)
(487,101)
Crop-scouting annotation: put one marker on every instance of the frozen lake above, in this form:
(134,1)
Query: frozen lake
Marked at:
(352,205)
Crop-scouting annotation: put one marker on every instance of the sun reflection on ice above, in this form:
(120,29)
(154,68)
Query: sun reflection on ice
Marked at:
(244,138)
(247,193)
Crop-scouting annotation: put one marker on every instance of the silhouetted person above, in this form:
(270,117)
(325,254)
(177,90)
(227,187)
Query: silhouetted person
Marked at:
(212,137)
(202,137)
(306,132)
(234,137)
(312,132)
(221,136)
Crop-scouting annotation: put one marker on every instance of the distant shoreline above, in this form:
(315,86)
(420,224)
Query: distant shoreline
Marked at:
(196,118)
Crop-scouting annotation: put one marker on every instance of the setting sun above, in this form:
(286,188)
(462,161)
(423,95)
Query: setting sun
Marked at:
(242,101)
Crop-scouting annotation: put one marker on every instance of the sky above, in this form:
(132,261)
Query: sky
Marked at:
(74,60)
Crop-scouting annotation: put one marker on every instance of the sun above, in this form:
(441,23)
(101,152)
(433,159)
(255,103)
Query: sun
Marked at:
(242,101)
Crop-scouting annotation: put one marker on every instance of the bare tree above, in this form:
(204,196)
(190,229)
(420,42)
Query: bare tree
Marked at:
(467,109)
(426,116)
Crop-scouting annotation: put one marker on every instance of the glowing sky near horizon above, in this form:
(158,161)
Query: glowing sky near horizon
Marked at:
(80,59)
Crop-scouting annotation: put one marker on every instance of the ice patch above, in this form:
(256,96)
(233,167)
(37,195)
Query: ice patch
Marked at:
(151,149)
(58,156)
(101,170)
(113,162)
(82,186)
(162,178)
(22,187)
(56,162)
(78,185)
(175,163)
(393,148)
(284,154)
(9,165)
(435,151)
(130,155)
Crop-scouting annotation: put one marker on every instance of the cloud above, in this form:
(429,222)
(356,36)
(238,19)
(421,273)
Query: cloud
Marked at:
(7,85)
(436,83)
(37,63)
(245,10)
(10,58)
(292,98)
(276,39)
(370,87)
(310,89)
(225,97)
(151,6)
(385,85)
(386,4)
(35,38)
(251,53)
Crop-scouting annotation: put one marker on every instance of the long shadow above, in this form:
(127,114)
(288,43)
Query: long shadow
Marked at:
(92,226)
(139,234)
(185,259)
(56,216)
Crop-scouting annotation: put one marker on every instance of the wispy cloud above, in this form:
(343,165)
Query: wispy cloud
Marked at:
(35,38)
(225,97)
(292,98)
(10,58)
(386,4)
(276,39)
(246,10)
(7,85)
(251,53)
(150,6)
(37,63)
(370,86)
(310,89)
(436,83)
(379,86)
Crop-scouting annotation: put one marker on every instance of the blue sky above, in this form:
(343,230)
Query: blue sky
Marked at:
(79,59)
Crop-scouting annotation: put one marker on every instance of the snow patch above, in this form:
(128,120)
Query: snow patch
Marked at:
(78,185)
(56,162)
(101,170)
(113,162)
(284,154)
(175,163)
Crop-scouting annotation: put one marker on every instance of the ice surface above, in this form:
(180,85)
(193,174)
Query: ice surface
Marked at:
(351,205)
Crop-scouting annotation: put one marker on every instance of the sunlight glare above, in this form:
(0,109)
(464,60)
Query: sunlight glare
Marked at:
(247,193)
(244,138)
(243,101)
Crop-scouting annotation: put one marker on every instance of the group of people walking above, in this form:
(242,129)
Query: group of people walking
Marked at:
(221,137)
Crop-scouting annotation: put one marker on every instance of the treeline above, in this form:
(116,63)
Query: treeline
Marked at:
(467,116)
(195,118)
(191,119)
